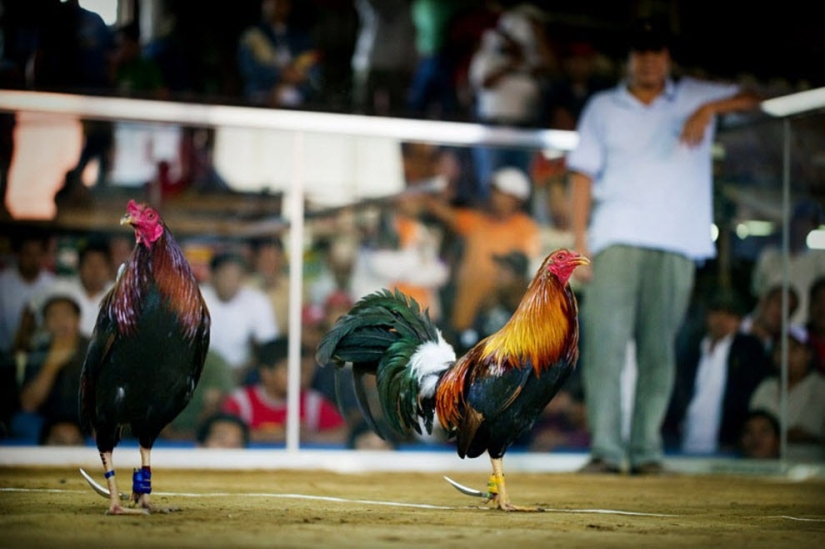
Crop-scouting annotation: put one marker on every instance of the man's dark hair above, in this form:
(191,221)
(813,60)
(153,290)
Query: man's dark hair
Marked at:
(206,427)
(18,239)
(94,245)
(273,352)
(649,34)
(760,412)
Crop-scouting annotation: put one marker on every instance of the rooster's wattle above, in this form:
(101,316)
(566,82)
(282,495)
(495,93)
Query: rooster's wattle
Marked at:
(487,398)
(147,350)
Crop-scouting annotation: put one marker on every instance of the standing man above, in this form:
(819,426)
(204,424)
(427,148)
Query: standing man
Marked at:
(641,182)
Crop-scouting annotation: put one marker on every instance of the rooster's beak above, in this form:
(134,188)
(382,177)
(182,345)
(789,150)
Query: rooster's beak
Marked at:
(581,260)
(127,219)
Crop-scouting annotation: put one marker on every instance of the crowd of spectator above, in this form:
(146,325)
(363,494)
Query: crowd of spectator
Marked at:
(500,62)
(726,395)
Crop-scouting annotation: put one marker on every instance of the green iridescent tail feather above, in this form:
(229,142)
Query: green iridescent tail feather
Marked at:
(398,389)
(365,333)
(380,335)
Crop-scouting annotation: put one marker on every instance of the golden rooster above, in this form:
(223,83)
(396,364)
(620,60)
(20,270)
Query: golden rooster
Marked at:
(486,399)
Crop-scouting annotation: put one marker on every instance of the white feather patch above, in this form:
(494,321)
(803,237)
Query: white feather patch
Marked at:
(429,361)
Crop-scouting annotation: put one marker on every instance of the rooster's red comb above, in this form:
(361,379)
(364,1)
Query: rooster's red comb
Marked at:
(133,207)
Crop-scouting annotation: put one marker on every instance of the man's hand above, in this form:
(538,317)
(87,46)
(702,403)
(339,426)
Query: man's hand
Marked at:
(693,131)
(61,350)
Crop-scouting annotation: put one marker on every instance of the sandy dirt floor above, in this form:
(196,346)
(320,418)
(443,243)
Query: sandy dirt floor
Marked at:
(44,507)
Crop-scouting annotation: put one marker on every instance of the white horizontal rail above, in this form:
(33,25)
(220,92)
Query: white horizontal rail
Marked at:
(795,103)
(199,114)
(365,461)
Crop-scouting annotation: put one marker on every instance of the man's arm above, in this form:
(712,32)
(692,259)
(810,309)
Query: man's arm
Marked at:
(441,210)
(581,199)
(694,129)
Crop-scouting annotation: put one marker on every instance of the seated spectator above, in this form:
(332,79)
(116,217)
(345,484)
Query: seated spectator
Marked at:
(806,396)
(278,61)
(816,322)
(716,380)
(61,432)
(263,405)
(242,317)
(19,282)
(765,322)
(222,430)
(499,228)
(120,250)
(270,274)
(133,74)
(760,436)
(216,383)
(51,381)
(805,264)
(94,279)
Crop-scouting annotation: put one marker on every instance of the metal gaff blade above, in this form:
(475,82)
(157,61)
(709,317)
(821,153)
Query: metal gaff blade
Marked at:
(104,492)
(465,490)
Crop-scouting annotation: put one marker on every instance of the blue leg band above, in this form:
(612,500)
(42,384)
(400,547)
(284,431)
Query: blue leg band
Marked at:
(109,474)
(142,481)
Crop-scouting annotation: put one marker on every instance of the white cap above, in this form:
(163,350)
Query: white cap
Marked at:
(517,23)
(512,181)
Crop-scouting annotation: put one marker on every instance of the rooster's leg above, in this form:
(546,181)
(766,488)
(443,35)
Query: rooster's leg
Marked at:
(142,485)
(115,508)
(498,491)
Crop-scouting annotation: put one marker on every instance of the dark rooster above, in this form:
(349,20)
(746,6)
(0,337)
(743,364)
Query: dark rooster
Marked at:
(147,351)
(486,399)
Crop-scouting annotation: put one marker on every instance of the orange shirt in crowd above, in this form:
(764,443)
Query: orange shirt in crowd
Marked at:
(485,236)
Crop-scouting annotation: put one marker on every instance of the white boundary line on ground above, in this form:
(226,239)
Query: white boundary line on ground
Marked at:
(386,503)
(334,499)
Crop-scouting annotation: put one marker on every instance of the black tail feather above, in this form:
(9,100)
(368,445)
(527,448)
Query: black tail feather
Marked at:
(363,401)
(342,377)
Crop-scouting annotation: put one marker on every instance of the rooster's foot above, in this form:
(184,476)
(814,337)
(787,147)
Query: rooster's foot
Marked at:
(118,509)
(142,502)
(507,506)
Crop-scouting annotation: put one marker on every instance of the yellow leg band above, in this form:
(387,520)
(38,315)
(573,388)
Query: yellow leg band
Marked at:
(493,483)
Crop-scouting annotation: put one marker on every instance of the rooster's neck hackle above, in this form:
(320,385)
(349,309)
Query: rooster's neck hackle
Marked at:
(542,332)
(540,329)
(162,264)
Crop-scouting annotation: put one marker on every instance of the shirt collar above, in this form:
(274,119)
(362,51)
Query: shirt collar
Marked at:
(725,341)
(669,93)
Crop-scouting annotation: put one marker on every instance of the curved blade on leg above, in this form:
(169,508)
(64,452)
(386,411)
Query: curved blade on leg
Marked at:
(104,492)
(467,491)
